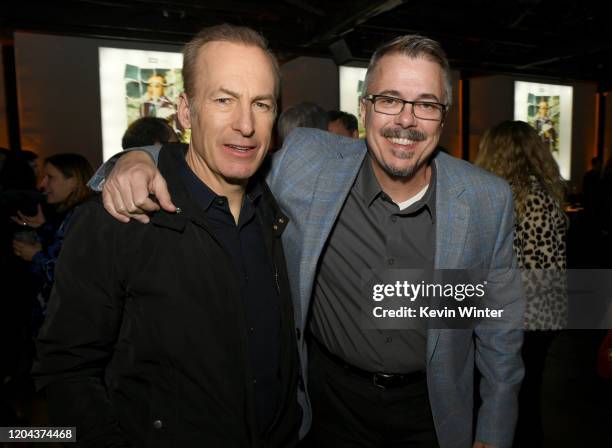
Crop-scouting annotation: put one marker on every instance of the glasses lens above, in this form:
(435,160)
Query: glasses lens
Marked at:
(388,105)
(427,111)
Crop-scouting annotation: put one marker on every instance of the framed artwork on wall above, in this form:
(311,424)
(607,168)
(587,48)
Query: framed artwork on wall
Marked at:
(548,108)
(135,84)
(351,87)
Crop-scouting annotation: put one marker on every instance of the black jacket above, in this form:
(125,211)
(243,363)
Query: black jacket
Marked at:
(145,341)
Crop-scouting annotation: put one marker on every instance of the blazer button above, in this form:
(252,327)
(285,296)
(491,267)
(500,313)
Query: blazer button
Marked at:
(157,424)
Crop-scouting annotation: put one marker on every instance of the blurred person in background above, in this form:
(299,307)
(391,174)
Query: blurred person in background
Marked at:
(514,151)
(148,131)
(342,123)
(303,115)
(17,192)
(65,186)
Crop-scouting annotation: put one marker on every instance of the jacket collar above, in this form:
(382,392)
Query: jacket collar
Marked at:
(171,158)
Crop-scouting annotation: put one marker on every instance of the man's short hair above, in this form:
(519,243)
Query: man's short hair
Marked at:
(303,115)
(413,46)
(349,121)
(147,131)
(222,33)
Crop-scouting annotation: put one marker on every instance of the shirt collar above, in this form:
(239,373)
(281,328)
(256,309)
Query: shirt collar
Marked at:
(369,189)
(204,196)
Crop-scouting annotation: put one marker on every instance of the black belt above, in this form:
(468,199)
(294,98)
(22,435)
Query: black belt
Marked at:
(378,379)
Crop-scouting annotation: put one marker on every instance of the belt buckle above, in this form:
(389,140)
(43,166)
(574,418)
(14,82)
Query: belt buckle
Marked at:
(380,376)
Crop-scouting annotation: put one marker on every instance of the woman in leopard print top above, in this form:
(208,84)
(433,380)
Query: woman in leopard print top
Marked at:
(513,150)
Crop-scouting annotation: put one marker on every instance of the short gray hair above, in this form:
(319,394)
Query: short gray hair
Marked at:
(413,46)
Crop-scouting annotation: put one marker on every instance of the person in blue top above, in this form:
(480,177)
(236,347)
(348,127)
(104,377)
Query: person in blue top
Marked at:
(65,186)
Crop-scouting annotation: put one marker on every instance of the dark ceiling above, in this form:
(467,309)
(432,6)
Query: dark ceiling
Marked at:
(550,38)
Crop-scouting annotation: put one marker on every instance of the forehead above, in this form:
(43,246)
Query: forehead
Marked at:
(51,169)
(235,67)
(409,77)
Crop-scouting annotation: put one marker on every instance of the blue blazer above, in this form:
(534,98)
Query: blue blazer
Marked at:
(311,177)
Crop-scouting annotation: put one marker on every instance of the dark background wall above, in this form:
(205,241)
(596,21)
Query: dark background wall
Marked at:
(59,92)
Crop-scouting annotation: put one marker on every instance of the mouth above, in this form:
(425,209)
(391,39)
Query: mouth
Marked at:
(402,141)
(240,150)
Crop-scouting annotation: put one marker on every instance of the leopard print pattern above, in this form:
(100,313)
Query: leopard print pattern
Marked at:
(539,242)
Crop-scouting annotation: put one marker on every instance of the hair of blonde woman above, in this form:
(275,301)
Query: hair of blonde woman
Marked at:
(514,151)
(77,167)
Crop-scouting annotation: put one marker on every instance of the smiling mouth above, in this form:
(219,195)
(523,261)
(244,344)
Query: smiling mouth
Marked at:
(402,141)
(240,148)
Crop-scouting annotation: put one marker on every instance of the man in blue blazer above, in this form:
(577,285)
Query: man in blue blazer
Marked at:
(391,201)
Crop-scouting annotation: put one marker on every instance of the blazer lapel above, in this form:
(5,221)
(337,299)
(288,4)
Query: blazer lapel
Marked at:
(331,189)
(452,217)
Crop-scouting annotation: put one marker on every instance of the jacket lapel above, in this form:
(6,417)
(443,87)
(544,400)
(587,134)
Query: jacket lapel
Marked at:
(452,217)
(331,189)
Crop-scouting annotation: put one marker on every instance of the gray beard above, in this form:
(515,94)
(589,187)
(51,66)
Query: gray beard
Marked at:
(398,172)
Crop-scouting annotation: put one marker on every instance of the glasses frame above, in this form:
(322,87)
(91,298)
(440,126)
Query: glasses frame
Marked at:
(373,98)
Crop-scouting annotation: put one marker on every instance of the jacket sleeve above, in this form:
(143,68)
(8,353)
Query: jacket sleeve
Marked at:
(77,338)
(97,180)
(498,344)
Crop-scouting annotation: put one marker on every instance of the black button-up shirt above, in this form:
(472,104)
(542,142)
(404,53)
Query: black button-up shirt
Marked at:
(244,244)
(370,235)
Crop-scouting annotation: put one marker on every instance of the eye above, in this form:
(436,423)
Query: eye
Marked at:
(225,101)
(428,107)
(261,106)
(388,101)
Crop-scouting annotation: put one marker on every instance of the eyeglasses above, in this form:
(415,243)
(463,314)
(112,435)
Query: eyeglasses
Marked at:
(390,105)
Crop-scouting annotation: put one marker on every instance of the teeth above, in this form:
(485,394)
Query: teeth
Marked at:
(239,148)
(401,141)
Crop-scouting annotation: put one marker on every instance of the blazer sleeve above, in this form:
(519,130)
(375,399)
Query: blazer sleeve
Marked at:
(77,338)
(97,180)
(498,344)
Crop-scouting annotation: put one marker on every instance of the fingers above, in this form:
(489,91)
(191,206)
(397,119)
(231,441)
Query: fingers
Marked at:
(113,203)
(126,191)
(160,189)
(19,220)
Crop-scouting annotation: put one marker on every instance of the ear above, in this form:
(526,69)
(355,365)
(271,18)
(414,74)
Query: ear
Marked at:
(184,114)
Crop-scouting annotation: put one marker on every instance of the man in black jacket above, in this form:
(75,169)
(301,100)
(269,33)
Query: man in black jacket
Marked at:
(180,333)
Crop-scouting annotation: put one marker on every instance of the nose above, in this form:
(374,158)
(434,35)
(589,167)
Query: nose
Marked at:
(244,120)
(43,183)
(406,117)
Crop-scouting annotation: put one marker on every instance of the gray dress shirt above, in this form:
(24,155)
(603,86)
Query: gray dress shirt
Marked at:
(372,234)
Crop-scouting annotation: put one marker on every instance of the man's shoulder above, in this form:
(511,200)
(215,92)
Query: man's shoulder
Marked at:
(317,144)
(473,178)
(90,217)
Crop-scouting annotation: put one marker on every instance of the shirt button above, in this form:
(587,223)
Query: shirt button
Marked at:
(220,201)
(390,261)
(157,424)
(394,219)
(252,329)
(275,227)
(389,339)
